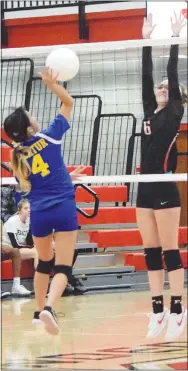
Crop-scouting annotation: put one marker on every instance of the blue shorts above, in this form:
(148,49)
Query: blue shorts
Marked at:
(58,218)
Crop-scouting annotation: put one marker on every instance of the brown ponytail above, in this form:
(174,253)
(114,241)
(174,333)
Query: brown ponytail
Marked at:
(20,166)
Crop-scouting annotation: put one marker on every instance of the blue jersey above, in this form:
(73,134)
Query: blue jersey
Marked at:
(49,178)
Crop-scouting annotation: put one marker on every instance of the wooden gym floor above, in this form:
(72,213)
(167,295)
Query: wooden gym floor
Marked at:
(98,332)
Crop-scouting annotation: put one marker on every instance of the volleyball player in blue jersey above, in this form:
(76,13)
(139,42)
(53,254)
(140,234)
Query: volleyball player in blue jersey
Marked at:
(39,167)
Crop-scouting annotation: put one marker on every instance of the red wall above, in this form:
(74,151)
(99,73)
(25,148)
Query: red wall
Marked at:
(63,29)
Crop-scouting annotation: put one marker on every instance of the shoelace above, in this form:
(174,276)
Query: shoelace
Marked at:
(60,314)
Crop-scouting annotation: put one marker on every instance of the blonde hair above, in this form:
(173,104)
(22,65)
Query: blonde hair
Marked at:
(20,166)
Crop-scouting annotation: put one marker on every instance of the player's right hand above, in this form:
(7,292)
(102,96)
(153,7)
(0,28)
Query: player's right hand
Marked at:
(148,26)
(47,77)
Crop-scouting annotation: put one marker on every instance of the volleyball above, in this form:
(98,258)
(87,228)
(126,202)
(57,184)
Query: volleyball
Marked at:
(64,62)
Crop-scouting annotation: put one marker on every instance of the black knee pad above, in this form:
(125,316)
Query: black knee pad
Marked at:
(64,269)
(45,266)
(153,258)
(172,260)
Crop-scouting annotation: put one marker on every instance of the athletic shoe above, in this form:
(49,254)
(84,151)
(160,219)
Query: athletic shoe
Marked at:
(48,317)
(36,319)
(69,290)
(20,290)
(4,294)
(176,325)
(157,323)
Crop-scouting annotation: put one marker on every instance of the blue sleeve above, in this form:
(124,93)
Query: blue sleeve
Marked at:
(58,127)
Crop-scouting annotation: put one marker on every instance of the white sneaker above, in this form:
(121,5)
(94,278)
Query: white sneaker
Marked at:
(36,321)
(48,317)
(20,290)
(157,323)
(176,325)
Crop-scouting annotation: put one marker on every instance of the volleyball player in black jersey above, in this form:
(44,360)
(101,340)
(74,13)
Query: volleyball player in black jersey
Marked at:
(158,204)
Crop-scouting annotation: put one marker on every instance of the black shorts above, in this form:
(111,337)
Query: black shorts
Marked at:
(158,196)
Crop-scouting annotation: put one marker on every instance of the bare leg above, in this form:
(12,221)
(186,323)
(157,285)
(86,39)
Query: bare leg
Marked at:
(14,255)
(41,280)
(64,247)
(168,226)
(27,253)
(148,230)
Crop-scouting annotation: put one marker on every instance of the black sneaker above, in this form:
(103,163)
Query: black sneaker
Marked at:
(36,318)
(48,317)
(79,287)
(69,290)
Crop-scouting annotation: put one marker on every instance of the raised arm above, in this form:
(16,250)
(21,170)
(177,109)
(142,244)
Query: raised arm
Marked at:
(148,96)
(172,73)
(58,90)
(172,68)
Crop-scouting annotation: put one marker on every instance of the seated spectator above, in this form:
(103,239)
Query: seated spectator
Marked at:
(17,234)
(8,253)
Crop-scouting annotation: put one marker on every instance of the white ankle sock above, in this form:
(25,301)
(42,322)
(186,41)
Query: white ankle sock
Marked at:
(16,281)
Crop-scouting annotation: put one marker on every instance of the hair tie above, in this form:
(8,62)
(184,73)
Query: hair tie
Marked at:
(17,147)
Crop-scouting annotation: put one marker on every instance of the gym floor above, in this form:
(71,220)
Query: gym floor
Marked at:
(98,332)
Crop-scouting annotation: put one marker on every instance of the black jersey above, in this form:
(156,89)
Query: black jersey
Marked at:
(159,131)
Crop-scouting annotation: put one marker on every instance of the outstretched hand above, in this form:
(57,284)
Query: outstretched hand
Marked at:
(177,24)
(148,26)
(78,172)
(47,76)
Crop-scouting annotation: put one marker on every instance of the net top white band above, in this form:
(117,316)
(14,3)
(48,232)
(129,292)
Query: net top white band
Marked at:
(39,51)
(119,179)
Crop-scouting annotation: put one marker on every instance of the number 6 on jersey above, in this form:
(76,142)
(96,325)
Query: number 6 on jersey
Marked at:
(39,166)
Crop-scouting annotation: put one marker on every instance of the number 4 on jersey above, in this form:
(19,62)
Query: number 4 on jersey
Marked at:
(39,166)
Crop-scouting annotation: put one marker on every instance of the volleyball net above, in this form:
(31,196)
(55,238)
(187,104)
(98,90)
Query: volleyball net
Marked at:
(119,179)
(107,113)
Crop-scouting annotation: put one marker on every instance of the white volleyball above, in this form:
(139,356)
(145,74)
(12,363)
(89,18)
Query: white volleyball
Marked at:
(64,62)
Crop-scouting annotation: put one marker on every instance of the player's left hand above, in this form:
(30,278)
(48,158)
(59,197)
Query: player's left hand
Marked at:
(78,172)
(177,24)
